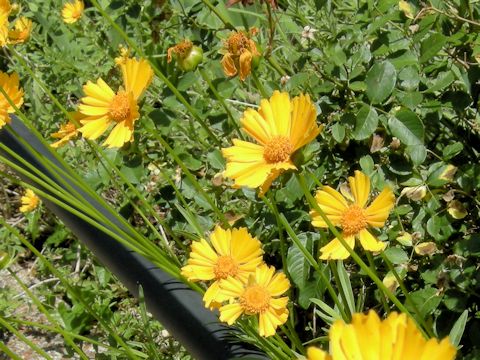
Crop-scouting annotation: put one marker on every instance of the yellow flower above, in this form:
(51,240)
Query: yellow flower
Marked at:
(368,337)
(259,296)
(29,201)
(352,216)
(67,131)
(103,107)
(124,55)
(72,11)
(10,84)
(21,31)
(231,253)
(239,52)
(281,126)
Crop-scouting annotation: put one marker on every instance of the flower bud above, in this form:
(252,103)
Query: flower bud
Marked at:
(191,60)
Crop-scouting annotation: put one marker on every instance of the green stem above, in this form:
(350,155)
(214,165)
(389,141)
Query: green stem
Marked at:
(221,100)
(336,276)
(382,295)
(283,249)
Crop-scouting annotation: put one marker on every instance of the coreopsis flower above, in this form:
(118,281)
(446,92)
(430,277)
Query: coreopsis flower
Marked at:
(11,85)
(103,107)
(232,253)
(352,215)
(258,296)
(21,31)
(239,53)
(72,11)
(187,55)
(280,127)
(30,201)
(368,337)
(67,131)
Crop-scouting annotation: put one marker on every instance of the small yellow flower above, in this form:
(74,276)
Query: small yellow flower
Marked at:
(352,216)
(11,85)
(29,201)
(259,296)
(102,107)
(124,55)
(368,337)
(230,253)
(72,11)
(67,131)
(239,52)
(21,31)
(281,126)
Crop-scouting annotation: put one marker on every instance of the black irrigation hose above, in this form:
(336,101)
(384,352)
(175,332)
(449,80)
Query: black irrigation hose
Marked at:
(175,305)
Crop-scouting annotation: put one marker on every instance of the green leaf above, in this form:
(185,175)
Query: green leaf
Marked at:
(431,46)
(366,123)
(396,255)
(380,80)
(407,127)
(442,81)
(297,265)
(338,132)
(452,150)
(426,300)
(417,153)
(458,329)
(346,286)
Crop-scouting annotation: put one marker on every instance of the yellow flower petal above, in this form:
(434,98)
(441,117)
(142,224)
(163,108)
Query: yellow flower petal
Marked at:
(317,354)
(369,242)
(360,188)
(137,76)
(334,250)
(120,134)
(230,313)
(378,211)
(93,128)
(304,127)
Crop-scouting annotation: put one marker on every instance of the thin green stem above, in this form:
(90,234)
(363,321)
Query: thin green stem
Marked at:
(283,249)
(336,276)
(221,100)
(382,295)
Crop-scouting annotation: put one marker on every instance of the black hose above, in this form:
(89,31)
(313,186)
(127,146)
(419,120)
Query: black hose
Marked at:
(174,304)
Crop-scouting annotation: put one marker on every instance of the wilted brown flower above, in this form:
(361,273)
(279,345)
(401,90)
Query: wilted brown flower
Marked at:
(239,53)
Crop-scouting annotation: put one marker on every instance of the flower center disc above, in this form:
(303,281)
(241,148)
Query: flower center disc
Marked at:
(255,299)
(120,107)
(277,149)
(353,220)
(225,267)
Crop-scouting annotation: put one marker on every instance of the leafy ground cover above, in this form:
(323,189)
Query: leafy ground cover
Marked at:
(202,124)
